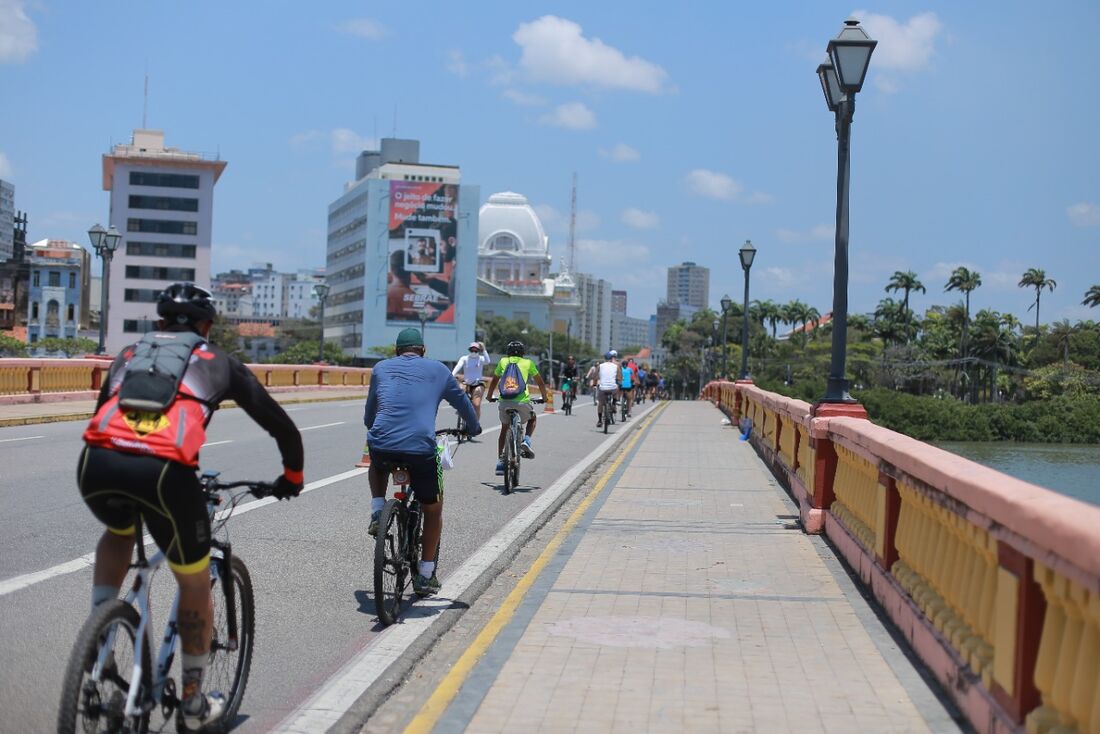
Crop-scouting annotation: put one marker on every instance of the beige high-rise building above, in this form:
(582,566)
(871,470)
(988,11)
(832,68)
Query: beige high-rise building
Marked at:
(689,284)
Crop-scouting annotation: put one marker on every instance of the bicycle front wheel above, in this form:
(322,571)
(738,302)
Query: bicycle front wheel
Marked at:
(93,698)
(231,659)
(390,570)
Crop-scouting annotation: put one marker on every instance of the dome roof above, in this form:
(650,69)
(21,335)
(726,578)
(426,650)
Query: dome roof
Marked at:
(507,223)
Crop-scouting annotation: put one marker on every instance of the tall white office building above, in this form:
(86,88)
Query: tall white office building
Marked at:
(162,201)
(595,312)
(7,220)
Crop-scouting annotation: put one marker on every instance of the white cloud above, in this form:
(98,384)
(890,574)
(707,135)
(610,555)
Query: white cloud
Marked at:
(713,185)
(523,99)
(367,28)
(904,46)
(587,220)
(639,219)
(571,115)
(18,34)
(456,63)
(6,171)
(621,153)
(886,84)
(819,232)
(604,255)
(550,217)
(1084,214)
(759,197)
(780,277)
(306,137)
(555,221)
(554,50)
(342,139)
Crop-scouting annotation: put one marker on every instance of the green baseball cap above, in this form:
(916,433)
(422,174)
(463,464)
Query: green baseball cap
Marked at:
(409,338)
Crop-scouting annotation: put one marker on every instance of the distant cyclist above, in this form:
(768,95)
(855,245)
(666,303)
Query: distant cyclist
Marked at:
(569,374)
(471,367)
(609,376)
(142,447)
(627,387)
(405,392)
(516,397)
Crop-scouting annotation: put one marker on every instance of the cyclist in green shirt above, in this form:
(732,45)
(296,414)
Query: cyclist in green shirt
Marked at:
(516,398)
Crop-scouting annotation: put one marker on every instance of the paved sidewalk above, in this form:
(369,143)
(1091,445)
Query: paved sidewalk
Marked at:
(684,600)
(69,410)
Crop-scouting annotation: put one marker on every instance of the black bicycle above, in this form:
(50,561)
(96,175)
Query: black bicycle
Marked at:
(397,545)
(512,443)
(607,412)
(111,684)
(567,397)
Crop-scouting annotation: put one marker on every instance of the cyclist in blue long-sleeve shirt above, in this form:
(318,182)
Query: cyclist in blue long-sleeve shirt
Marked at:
(404,397)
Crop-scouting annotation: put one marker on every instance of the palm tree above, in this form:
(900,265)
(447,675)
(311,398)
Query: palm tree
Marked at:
(1037,279)
(769,313)
(964,280)
(1063,333)
(796,313)
(1092,297)
(888,320)
(906,282)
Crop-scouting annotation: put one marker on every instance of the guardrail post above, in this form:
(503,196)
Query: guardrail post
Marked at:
(887,509)
(296,381)
(34,380)
(824,473)
(1018,629)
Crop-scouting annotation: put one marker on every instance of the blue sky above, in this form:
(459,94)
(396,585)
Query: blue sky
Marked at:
(691,127)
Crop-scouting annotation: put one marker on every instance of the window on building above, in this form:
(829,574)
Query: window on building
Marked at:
(164,203)
(161,249)
(504,242)
(70,313)
(34,310)
(137,326)
(150,272)
(161,226)
(169,180)
(36,279)
(53,314)
(140,295)
(72,280)
(55,279)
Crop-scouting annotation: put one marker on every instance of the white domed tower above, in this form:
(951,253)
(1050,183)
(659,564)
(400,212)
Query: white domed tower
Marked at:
(513,250)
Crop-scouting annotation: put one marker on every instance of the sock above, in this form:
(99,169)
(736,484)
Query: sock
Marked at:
(427,569)
(191,695)
(377,503)
(103,593)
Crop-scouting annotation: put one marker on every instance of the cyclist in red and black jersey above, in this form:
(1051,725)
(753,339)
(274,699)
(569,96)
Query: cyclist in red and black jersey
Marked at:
(148,460)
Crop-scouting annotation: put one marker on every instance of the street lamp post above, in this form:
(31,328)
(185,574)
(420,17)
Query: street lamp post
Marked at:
(726,303)
(747,253)
(714,342)
(321,291)
(842,76)
(104,242)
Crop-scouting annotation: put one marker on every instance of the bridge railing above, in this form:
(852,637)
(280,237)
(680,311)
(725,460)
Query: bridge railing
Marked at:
(80,378)
(994,581)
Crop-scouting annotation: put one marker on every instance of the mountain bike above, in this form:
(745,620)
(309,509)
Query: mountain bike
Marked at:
(512,444)
(397,544)
(567,397)
(462,430)
(110,683)
(624,405)
(607,412)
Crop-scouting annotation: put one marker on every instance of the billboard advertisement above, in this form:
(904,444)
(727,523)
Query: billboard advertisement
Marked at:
(422,240)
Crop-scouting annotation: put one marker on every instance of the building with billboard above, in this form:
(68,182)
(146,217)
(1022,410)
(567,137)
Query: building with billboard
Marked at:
(401,252)
(513,268)
(162,201)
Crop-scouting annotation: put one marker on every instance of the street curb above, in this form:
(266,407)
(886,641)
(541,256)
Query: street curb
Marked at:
(355,718)
(32,420)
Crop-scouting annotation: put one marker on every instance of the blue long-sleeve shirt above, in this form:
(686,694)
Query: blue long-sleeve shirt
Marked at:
(403,400)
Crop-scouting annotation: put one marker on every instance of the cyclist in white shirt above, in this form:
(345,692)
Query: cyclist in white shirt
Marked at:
(609,376)
(471,367)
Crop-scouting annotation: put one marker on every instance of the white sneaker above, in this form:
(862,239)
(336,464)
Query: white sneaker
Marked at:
(213,709)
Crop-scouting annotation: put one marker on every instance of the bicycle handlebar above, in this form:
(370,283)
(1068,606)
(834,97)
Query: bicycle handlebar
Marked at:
(537,401)
(256,489)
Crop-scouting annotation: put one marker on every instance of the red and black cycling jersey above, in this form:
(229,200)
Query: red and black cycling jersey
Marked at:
(178,433)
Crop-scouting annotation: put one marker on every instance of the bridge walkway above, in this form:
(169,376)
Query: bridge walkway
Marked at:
(686,598)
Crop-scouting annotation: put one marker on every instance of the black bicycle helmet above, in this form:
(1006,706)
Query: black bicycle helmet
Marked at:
(515,349)
(186,303)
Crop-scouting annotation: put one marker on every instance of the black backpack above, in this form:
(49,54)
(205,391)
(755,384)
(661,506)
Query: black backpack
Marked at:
(156,369)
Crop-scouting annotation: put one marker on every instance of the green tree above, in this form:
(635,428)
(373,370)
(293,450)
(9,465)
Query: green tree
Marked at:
(227,337)
(1062,333)
(906,282)
(965,281)
(68,347)
(1092,297)
(12,347)
(771,313)
(305,352)
(1037,279)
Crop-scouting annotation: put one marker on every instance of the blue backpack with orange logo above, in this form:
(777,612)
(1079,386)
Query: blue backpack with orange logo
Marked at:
(512,384)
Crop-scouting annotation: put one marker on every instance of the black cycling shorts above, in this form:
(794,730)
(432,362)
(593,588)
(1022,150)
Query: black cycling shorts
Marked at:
(425,472)
(167,493)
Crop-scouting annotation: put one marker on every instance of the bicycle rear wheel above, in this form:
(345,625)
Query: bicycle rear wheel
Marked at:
(390,569)
(231,660)
(91,705)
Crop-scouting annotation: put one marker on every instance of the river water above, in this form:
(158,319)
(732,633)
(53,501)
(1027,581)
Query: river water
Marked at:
(1070,469)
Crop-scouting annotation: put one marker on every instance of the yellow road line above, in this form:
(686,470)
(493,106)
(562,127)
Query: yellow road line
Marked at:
(426,719)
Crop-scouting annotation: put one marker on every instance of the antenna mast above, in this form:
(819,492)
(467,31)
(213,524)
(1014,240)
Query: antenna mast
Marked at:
(573,226)
(145,105)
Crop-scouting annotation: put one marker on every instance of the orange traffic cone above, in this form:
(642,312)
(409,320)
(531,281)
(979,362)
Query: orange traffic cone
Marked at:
(365,461)
(549,403)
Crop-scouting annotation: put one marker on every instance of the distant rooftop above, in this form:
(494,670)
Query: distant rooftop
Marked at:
(149,144)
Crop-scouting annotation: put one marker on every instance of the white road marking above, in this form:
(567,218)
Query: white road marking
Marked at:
(325,707)
(24,438)
(216,443)
(323,425)
(16,583)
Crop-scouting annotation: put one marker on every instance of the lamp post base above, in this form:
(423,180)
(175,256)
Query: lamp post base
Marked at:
(825,409)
